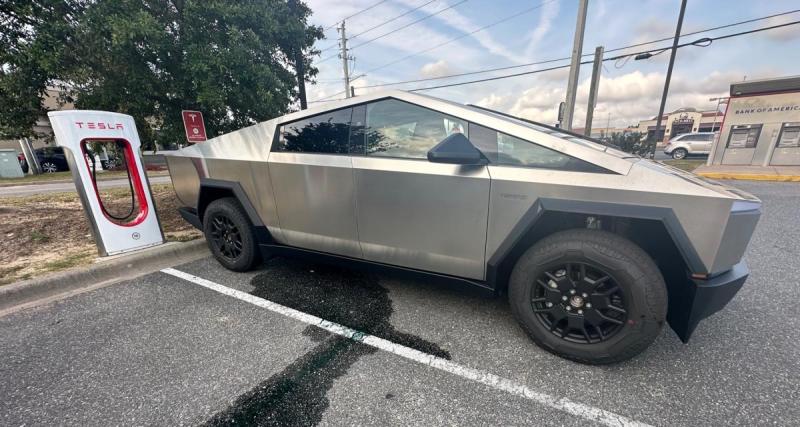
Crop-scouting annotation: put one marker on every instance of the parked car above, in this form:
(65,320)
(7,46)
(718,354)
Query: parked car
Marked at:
(595,248)
(690,144)
(23,164)
(51,159)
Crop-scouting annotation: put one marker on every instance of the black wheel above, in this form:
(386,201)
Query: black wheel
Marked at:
(589,296)
(230,235)
(679,153)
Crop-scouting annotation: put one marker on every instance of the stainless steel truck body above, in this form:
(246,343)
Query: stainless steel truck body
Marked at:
(596,248)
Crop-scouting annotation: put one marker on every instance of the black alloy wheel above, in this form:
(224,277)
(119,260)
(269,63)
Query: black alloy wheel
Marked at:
(230,235)
(579,302)
(588,295)
(226,237)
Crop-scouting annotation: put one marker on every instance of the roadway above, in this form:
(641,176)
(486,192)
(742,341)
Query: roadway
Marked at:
(61,187)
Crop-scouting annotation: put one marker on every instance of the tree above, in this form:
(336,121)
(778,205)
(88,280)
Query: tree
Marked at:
(630,142)
(230,59)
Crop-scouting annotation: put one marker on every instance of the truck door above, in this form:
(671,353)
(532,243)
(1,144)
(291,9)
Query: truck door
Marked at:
(312,178)
(411,212)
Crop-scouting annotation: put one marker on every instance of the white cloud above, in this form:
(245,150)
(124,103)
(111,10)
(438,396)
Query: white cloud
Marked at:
(543,26)
(436,69)
(782,34)
(493,101)
(628,97)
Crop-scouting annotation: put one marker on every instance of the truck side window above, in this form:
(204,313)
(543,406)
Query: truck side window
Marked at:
(507,150)
(398,129)
(326,133)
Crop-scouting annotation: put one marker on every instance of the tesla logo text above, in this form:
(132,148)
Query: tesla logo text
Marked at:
(99,125)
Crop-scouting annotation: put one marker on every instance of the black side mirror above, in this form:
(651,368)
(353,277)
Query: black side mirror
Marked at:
(456,149)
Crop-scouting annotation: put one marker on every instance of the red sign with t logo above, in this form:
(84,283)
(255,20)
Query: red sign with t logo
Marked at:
(195,128)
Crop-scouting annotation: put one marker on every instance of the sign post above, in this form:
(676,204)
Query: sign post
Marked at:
(194,125)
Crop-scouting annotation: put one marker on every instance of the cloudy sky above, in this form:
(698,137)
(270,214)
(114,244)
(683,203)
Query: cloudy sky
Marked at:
(629,91)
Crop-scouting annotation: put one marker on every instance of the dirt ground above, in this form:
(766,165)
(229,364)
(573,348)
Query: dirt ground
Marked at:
(49,232)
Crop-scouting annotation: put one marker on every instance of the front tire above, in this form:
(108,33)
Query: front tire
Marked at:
(679,153)
(589,296)
(230,235)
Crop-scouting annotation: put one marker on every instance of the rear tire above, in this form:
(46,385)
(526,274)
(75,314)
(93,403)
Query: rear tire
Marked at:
(589,296)
(679,153)
(230,235)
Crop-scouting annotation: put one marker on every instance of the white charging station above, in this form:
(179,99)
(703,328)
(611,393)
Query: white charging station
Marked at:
(76,131)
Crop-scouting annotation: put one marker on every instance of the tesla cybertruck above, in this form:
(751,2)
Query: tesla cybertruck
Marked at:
(594,247)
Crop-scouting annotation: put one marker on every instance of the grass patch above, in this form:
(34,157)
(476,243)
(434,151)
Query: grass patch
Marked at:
(32,179)
(688,165)
(66,176)
(69,261)
(39,237)
(50,232)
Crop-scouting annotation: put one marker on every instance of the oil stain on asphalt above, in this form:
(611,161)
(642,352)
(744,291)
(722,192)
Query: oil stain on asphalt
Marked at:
(296,395)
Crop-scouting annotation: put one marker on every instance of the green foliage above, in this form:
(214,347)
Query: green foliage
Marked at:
(630,142)
(151,59)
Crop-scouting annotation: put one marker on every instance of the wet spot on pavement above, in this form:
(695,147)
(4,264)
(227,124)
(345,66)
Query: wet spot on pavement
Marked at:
(296,395)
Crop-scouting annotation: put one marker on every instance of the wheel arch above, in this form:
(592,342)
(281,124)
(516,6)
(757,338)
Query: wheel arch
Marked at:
(655,229)
(214,189)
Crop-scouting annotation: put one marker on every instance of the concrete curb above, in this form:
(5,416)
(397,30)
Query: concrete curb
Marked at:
(113,270)
(749,176)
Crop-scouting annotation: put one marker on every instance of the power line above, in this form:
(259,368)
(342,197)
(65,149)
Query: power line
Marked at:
(355,14)
(410,24)
(547,61)
(383,23)
(699,42)
(394,19)
(703,42)
(522,12)
(397,29)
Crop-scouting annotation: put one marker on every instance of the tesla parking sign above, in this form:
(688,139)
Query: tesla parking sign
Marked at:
(195,128)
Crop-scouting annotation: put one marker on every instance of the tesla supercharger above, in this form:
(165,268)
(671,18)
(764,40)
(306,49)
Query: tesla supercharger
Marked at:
(78,132)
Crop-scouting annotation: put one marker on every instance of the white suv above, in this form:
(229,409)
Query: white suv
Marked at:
(695,143)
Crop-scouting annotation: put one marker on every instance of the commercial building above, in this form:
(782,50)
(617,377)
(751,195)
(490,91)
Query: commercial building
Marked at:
(680,121)
(761,126)
(42,129)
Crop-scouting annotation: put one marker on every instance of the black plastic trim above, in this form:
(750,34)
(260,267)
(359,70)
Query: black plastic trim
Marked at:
(702,298)
(261,232)
(542,205)
(278,249)
(190,215)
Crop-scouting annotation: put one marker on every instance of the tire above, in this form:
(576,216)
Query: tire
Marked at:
(608,259)
(49,167)
(679,153)
(230,235)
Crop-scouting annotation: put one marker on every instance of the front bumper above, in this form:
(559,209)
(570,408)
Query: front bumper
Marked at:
(690,304)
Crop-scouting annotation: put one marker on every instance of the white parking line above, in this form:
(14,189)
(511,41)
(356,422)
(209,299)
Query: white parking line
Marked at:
(499,383)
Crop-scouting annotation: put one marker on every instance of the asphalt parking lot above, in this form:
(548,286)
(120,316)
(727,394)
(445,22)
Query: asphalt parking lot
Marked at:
(164,350)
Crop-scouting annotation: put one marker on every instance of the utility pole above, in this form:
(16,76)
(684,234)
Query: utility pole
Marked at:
(299,64)
(593,89)
(345,58)
(713,128)
(575,65)
(669,76)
